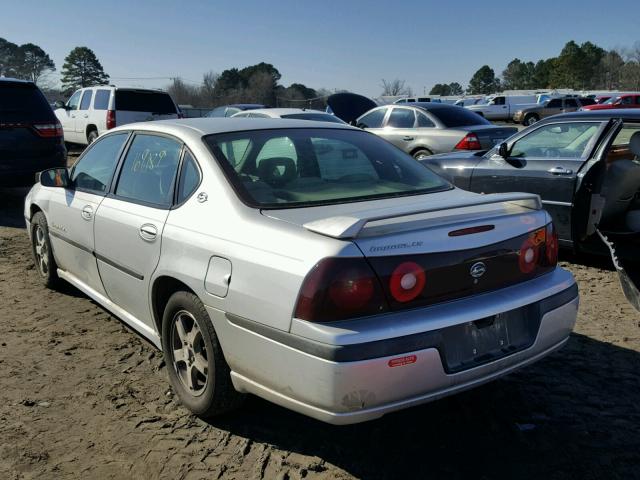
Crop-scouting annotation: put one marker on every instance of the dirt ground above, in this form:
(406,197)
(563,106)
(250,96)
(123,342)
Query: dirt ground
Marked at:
(82,396)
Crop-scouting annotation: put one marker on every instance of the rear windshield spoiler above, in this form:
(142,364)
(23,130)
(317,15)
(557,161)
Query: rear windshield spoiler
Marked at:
(344,227)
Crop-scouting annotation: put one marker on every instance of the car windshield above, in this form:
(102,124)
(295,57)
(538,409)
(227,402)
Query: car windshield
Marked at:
(142,101)
(458,117)
(319,117)
(282,168)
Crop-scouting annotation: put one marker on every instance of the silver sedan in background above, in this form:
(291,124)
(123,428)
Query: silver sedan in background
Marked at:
(424,129)
(291,114)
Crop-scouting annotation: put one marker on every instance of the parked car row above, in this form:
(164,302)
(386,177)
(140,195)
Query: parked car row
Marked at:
(395,284)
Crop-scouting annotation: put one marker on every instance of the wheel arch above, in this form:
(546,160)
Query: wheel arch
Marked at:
(163,287)
(421,147)
(90,128)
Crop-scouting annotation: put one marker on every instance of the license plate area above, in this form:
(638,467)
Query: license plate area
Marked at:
(481,341)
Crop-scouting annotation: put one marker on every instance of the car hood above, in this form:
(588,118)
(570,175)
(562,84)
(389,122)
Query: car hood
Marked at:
(349,106)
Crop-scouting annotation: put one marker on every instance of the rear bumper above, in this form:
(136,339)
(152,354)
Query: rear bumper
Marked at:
(343,384)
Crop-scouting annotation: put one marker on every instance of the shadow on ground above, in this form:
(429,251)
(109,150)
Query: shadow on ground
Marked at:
(561,418)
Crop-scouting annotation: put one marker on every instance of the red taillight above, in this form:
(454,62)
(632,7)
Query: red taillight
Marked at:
(407,282)
(111,119)
(540,249)
(528,256)
(340,288)
(469,142)
(48,130)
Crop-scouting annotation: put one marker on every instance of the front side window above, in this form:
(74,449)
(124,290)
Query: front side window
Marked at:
(373,119)
(553,141)
(231,110)
(95,168)
(499,101)
(281,168)
(74,101)
(555,103)
(571,103)
(401,118)
(102,100)
(149,170)
(86,100)
(626,101)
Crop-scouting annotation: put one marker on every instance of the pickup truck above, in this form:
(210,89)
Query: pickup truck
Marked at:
(530,115)
(502,107)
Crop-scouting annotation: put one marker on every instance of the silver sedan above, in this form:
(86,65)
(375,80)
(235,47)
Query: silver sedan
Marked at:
(314,265)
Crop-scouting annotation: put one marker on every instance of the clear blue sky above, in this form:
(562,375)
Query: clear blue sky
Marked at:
(329,43)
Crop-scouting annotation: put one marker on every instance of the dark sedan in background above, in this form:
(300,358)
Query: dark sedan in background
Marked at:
(31,138)
(584,165)
(420,129)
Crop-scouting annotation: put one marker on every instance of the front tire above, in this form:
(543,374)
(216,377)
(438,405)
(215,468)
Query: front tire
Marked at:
(198,372)
(530,119)
(42,253)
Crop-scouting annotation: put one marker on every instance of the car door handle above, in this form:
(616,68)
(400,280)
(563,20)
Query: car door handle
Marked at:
(407,138)
(148,232)
(560,171)
(87,212)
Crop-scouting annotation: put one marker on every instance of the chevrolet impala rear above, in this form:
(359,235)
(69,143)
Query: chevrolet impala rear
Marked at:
(364,283)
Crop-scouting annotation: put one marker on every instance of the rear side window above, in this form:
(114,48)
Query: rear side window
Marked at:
(102,100)
(94,170)
(423,120)
(189,177)
(23,101)
(142,101)
(86,100)
(401,118)
(373,119)
(149,170)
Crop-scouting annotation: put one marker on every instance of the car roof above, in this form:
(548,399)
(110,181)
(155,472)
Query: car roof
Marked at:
(623,113)
(199,127)
(432,106)
(277,112)
(15,80)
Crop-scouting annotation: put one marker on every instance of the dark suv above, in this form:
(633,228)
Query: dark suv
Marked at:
(30,135)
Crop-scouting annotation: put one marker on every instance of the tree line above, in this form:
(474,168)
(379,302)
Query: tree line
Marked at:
(579,67)
(252,84)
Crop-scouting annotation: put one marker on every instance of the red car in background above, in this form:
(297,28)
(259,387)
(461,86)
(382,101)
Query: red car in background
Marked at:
(630,100)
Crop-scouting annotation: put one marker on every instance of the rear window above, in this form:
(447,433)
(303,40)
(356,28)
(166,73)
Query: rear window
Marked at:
(318,117)
(282,168)
(458,117)
(23,101)
(139,101)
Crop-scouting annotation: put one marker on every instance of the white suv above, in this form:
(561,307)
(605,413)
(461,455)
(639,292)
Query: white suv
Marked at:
(93,110)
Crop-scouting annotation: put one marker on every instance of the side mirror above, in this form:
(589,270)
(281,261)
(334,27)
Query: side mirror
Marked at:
(54,177)
(503,150)
(353,123)
(59,104)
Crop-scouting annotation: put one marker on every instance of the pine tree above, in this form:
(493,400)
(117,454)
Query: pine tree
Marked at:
(82,69)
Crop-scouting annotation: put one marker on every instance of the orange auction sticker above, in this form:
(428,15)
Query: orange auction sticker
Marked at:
(400,361)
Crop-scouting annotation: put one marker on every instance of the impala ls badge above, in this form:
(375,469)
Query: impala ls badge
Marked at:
(478,269)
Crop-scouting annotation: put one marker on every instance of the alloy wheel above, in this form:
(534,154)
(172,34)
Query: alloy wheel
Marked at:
(42,251)
(190,359)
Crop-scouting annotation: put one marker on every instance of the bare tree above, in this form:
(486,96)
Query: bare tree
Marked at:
(209,81)
(395,87)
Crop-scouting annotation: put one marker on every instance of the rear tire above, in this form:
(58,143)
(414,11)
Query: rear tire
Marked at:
(198,372)
(422,153)
(42,253)
(530,119)
(91,136)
